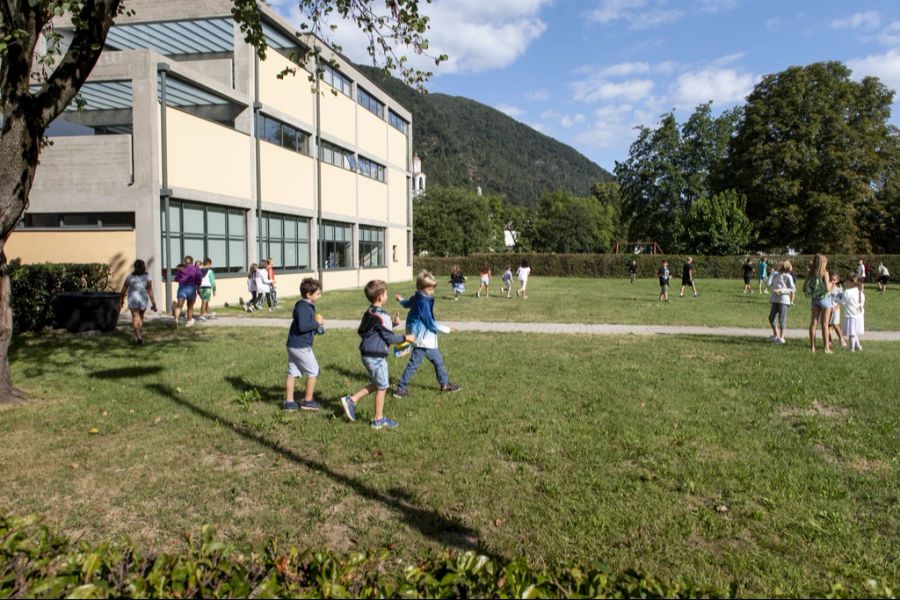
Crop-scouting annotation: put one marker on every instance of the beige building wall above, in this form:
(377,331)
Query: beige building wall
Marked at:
(397,249)
(338,116)
(397,148)
(287,177)
(373,199)
(204,155)
(371,135)
(397,194)
(338,190)
(115,248)
(291,95)
(339,280)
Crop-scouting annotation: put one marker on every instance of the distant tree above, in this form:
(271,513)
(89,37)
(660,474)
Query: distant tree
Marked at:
(566,223)
(609,194)
(716,225)
(457,222)
(704,151)
(516,220)
(809,153)
(37,85)
(881,219)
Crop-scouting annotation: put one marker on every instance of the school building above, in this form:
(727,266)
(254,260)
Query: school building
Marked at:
(188,144)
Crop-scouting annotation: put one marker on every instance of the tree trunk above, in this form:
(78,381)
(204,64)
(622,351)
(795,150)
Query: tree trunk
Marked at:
(9,394)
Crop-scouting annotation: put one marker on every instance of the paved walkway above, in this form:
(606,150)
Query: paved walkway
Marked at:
(554,328)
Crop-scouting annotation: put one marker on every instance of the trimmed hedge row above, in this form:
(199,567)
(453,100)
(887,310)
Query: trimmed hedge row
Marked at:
(34,286)
(36,563)
(616,265)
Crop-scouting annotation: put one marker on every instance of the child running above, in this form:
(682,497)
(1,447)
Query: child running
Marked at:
(523,272)
(837,298)
(376,331)
(854,302)
(188,278)
(507,281)
(457,281)
(485,282)
(207,289)
(301,359)
(138,289)
(421,325)
(663,275)
(251,287)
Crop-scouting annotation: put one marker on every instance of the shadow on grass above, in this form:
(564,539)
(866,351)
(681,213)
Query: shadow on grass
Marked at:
(267,393)
(126,372)
(446,531)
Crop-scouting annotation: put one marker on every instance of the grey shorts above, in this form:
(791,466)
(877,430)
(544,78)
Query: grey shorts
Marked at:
(302,361)
(377,367)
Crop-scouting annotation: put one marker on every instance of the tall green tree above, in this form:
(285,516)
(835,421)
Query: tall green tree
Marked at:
(716,225)
(457,222)
(609,194)
(808,154)
(571,224)
(28,112)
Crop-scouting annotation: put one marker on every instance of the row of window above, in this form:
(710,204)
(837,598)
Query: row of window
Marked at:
(371,169)
(281,134)
(341,83)
(369,102)
(336,79)
(92,220)
(201,230)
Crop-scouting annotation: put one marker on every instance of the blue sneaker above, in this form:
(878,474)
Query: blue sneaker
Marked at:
(383,423)
(349,407)
(310,405)
(289,405)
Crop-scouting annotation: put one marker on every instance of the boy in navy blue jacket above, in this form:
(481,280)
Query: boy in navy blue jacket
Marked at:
(301,359)
(376,331)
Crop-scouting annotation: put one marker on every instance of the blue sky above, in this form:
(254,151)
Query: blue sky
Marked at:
(586,72)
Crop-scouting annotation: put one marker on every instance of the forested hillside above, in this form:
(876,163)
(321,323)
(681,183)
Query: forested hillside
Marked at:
(465,143)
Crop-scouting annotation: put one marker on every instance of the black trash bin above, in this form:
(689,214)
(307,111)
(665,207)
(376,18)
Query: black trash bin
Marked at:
(86,311)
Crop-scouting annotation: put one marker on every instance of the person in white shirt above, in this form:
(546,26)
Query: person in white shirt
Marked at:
(854,302)
(883,276)
(523,272)
(782,287)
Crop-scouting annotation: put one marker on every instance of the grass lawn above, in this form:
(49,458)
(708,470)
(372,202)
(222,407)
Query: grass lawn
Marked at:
(573,300)
(718,459)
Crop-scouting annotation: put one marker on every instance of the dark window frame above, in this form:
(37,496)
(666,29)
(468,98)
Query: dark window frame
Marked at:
(232,266)
(303,229)
(330,246)
(371,238)
(370,102)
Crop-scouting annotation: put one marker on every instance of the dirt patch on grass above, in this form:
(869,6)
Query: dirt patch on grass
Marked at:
(819,409)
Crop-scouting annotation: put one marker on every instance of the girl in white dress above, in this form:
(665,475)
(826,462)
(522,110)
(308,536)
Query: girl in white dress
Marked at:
(854,302)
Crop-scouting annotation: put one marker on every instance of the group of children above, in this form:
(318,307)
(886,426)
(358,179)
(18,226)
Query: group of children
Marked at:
(376,331)
(458,281)
(687,278)
(261,285)
(828,294)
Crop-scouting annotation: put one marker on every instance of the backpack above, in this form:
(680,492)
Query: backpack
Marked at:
(815,287)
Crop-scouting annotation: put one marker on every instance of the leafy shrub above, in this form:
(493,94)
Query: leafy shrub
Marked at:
(37,563)
(34,286)
(616,265)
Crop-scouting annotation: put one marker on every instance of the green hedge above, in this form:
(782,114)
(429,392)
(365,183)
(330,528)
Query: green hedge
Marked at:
(36,563)
(34,286)
(616,265)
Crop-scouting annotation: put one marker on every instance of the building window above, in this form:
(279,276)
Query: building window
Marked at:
(94,220)
(206,230)
(337,156)
(397,122)
(369,102)
(371,246)
(371,169)
(335,245)
(281,134)
(285,240)
(336,79)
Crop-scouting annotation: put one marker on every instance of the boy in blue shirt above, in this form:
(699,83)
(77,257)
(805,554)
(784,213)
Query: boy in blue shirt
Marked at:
(301,359)
(421,325)
(376,331)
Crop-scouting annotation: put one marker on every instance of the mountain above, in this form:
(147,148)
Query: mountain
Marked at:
(465,143)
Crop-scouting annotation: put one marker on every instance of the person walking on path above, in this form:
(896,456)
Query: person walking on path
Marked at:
(138,290)
(207,289)
(189,279)
(781,284)
(818,288)
(762,273)
(687,277)
(377,332)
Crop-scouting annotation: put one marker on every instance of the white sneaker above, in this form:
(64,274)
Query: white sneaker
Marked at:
(189,323)
(780,340)
(211,316)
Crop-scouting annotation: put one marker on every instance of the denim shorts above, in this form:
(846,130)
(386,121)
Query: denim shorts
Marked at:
(302,361)
(187,292)
(377,367)
(822,303)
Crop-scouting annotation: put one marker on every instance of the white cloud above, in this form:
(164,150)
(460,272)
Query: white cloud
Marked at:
(774,24)
(639,14)
(540,95)
(722,86)
(870,19)
(476,35)
(625,69)
(513,111)
(595,89)
(890,35)
(549,114)
(884,66)
(570,121)
(715,6)
(610,125)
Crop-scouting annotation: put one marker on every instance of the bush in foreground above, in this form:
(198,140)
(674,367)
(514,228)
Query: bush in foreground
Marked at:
(36,563)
